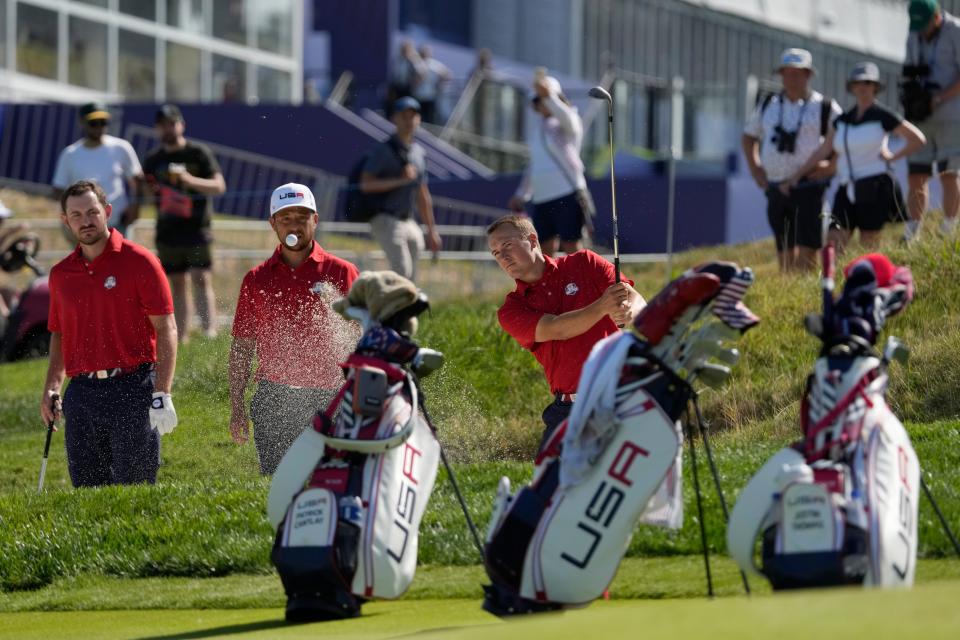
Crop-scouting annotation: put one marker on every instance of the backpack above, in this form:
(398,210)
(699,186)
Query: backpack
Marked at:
(824,111)
(360,206)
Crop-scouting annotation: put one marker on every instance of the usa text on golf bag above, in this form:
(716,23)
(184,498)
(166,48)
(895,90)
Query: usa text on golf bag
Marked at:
(840,506)
(348,497)
(616,461)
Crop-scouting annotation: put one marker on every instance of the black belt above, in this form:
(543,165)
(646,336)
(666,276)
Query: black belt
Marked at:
(566,397)
(103,374)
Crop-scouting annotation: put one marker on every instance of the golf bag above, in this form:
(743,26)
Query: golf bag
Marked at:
(616,461)
(348,497)
(839,507)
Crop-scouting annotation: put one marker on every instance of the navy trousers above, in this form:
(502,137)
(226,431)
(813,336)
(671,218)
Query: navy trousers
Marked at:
(108,435)
(555,413)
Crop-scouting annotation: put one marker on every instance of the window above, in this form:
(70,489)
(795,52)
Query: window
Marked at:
(183,73)
(228,21)
(137,66)
(87,55)
(273,85)
(36,41)
(274,19)
(146,9)
(229,79)
(187,15)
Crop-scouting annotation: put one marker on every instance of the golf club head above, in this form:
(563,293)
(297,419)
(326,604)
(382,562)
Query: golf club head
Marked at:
(427,361)
(896,351)
(713,375)
(600,94)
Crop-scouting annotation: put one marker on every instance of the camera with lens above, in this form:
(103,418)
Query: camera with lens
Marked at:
(916,92)
(786,141)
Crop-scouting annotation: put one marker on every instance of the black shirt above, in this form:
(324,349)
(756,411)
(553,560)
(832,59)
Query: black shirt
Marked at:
(183,215)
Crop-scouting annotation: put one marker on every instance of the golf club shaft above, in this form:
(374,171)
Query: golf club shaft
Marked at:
(54,402)
(613,194)
(696,490)
(943,520)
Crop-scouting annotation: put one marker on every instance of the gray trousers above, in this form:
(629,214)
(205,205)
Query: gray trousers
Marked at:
(401,240)
(279,414)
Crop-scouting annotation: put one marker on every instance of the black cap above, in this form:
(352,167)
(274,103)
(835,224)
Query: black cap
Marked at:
(94,111)
(407,102)
(169,112)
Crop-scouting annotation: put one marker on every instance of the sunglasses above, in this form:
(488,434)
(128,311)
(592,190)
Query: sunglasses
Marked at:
(97,123)
(535,101)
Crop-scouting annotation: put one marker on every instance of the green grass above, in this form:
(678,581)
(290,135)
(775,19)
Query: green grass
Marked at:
(205,516)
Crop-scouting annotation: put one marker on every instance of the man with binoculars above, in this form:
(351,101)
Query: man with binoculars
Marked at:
(782,133)
(929,93)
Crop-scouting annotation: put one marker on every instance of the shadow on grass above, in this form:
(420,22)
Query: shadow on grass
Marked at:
(226,630)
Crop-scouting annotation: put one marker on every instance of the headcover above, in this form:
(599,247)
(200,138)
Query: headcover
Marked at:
(875,289)
(387,296)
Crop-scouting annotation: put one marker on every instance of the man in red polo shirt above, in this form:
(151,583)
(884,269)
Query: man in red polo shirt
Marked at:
(560,308)
(112,331)
(284,315)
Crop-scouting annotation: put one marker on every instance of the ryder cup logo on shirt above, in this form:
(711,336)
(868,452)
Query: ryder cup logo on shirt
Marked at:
(110,282)
(571,289)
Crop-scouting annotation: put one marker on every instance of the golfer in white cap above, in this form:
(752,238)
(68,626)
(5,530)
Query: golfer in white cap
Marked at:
(284,316)
(780,136)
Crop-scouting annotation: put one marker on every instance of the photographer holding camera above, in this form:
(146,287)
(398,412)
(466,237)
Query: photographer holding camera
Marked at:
(929,92)
(782,133)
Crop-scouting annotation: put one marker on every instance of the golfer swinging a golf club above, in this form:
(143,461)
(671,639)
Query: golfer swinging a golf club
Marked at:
(560,308)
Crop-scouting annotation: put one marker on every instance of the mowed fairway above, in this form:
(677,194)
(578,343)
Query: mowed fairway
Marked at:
(928,612)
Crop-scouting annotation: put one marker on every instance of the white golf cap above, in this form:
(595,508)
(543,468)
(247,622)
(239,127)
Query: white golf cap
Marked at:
(292,195)
(796,59)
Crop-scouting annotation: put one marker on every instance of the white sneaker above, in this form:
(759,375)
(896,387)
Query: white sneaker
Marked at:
(948,226)
(911,230)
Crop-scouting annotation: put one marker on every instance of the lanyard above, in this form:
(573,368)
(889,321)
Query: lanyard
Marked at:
(783,97)
(934,45)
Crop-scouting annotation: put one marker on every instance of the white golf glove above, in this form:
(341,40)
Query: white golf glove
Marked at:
(163,417)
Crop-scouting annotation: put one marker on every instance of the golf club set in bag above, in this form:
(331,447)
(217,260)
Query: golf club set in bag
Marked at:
(840,506)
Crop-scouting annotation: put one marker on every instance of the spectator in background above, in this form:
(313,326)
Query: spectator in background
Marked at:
(553,180)
(110,162)
(284,316)
(430,82)
(397,169)
(183,176)
(780,136)
(405,71)
(869,195)
(933,58)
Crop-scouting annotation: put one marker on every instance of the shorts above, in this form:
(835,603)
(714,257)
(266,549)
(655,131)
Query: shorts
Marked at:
(795,219)
(942,151)
(879,200)
(177,259)
(561,217)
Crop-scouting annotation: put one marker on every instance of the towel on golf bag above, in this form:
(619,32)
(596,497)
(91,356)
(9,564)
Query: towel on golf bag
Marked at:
(840,506)
(558,541)
(348,497)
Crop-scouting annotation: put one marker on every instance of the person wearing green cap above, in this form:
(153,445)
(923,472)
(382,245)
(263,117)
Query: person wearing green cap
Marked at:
(930,92)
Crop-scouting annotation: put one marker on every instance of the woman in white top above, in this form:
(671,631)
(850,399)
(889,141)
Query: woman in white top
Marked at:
(553,180)
(869,195)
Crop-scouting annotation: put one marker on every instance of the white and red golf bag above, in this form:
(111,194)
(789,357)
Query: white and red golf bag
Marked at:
(840,506)
(558,541)
(348,497)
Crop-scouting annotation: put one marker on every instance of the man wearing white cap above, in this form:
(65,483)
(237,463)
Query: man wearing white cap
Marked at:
(553,181)
(283,315)
(780,136)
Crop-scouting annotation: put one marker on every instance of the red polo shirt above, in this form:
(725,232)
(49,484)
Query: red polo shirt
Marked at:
(300,340)
(101,308)
(568,283)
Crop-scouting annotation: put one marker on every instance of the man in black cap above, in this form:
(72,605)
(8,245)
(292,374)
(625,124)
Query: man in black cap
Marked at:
(110,162)
(396,170)
(183,177)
